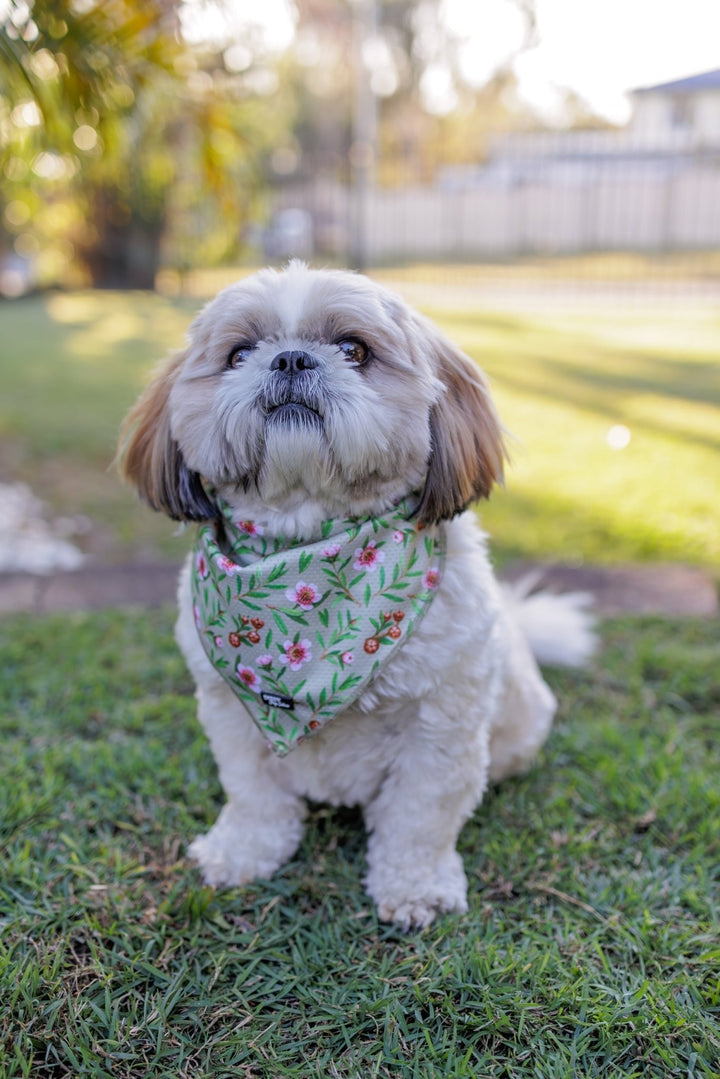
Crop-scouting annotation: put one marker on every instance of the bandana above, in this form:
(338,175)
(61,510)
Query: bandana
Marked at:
(297,629)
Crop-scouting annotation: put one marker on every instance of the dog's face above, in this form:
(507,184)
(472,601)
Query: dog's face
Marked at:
(315,384)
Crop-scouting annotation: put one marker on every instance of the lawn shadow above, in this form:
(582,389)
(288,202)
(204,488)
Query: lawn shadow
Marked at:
(603,393)
(533,359)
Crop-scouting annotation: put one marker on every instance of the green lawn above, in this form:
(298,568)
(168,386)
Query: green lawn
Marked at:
(71,364)
(563,381)
(591,948)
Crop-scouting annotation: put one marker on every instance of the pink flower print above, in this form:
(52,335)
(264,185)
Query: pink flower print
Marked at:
(226,564)
(398,537)
(201,565)
(368,557)
(431,578)
(250,528)
(296,653)
(347,658)
(331,551)
(248,677)
(264,661)
(219,641)
(197,616)
(304,595)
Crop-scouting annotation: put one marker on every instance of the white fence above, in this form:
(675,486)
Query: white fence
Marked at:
(609,210)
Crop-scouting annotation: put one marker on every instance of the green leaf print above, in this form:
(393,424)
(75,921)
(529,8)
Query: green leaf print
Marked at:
(342,628)
(277,571)
(298,617)
(248,603)
(349,683)
(305,560)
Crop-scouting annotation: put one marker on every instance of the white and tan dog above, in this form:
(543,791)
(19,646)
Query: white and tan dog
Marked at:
(304,396)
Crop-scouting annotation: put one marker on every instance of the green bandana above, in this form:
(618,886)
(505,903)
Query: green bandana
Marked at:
(298,630)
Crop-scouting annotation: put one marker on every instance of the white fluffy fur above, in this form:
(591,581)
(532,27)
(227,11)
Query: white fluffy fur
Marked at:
(462,703)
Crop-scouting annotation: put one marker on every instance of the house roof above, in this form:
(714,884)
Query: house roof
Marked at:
(708,80)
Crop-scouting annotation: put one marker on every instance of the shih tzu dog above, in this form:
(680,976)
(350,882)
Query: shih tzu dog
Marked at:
(339,614)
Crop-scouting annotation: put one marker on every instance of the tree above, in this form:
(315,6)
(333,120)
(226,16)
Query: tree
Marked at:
(405,43)
(118,140)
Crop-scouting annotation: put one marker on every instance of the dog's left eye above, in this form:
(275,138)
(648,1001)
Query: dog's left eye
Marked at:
(239,354)
(353,350)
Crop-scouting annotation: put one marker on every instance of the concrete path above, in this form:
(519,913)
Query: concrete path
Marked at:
(670,590)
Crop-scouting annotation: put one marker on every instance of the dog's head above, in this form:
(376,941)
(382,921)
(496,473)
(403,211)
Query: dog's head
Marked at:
(309,383)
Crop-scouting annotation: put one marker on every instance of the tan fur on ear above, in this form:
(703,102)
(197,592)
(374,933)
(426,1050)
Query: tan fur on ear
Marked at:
(150,458)
(467,452)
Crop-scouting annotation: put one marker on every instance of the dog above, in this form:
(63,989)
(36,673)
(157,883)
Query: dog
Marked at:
(339,614)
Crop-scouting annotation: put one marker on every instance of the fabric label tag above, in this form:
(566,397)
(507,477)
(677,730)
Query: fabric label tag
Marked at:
(275,700)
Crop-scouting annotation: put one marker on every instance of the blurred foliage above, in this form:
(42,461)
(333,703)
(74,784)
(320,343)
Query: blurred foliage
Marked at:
(117,137)
(127,143)
(401,47)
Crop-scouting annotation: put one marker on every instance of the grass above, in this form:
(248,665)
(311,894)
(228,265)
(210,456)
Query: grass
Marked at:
(591,944)
(563,381)
(71,364)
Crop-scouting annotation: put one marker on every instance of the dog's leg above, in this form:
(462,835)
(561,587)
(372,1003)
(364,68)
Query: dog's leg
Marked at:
(261,824)
(414,821)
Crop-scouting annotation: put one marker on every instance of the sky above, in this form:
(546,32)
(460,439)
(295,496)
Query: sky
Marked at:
(601,49)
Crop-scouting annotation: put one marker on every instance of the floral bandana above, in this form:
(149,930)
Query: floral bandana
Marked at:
(298,630)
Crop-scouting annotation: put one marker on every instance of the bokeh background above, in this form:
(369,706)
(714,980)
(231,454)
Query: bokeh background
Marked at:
(540,176)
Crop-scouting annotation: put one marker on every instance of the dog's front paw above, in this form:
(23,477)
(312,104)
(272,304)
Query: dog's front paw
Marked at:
(237,850)
(412,894)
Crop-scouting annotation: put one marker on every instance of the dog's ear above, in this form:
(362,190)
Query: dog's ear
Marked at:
(467,452)
(150,458)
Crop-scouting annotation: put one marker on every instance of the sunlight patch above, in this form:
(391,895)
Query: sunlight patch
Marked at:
(618,437)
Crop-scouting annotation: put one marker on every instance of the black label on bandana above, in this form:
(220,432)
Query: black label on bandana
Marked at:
(276,700)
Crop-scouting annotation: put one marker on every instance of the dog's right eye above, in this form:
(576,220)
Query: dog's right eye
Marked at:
(239,354)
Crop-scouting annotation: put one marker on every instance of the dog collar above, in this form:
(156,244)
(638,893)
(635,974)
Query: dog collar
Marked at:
(299,629)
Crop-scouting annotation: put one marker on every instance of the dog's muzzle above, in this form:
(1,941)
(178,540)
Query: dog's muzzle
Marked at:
(294,391)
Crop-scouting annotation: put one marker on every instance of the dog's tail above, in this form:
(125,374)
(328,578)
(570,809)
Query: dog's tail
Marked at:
(559,627)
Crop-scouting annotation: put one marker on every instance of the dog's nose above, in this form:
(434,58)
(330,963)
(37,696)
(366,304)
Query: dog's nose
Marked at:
(292,362)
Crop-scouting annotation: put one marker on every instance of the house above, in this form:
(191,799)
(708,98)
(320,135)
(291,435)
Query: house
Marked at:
(684,113)
(671,124)
(653,185)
